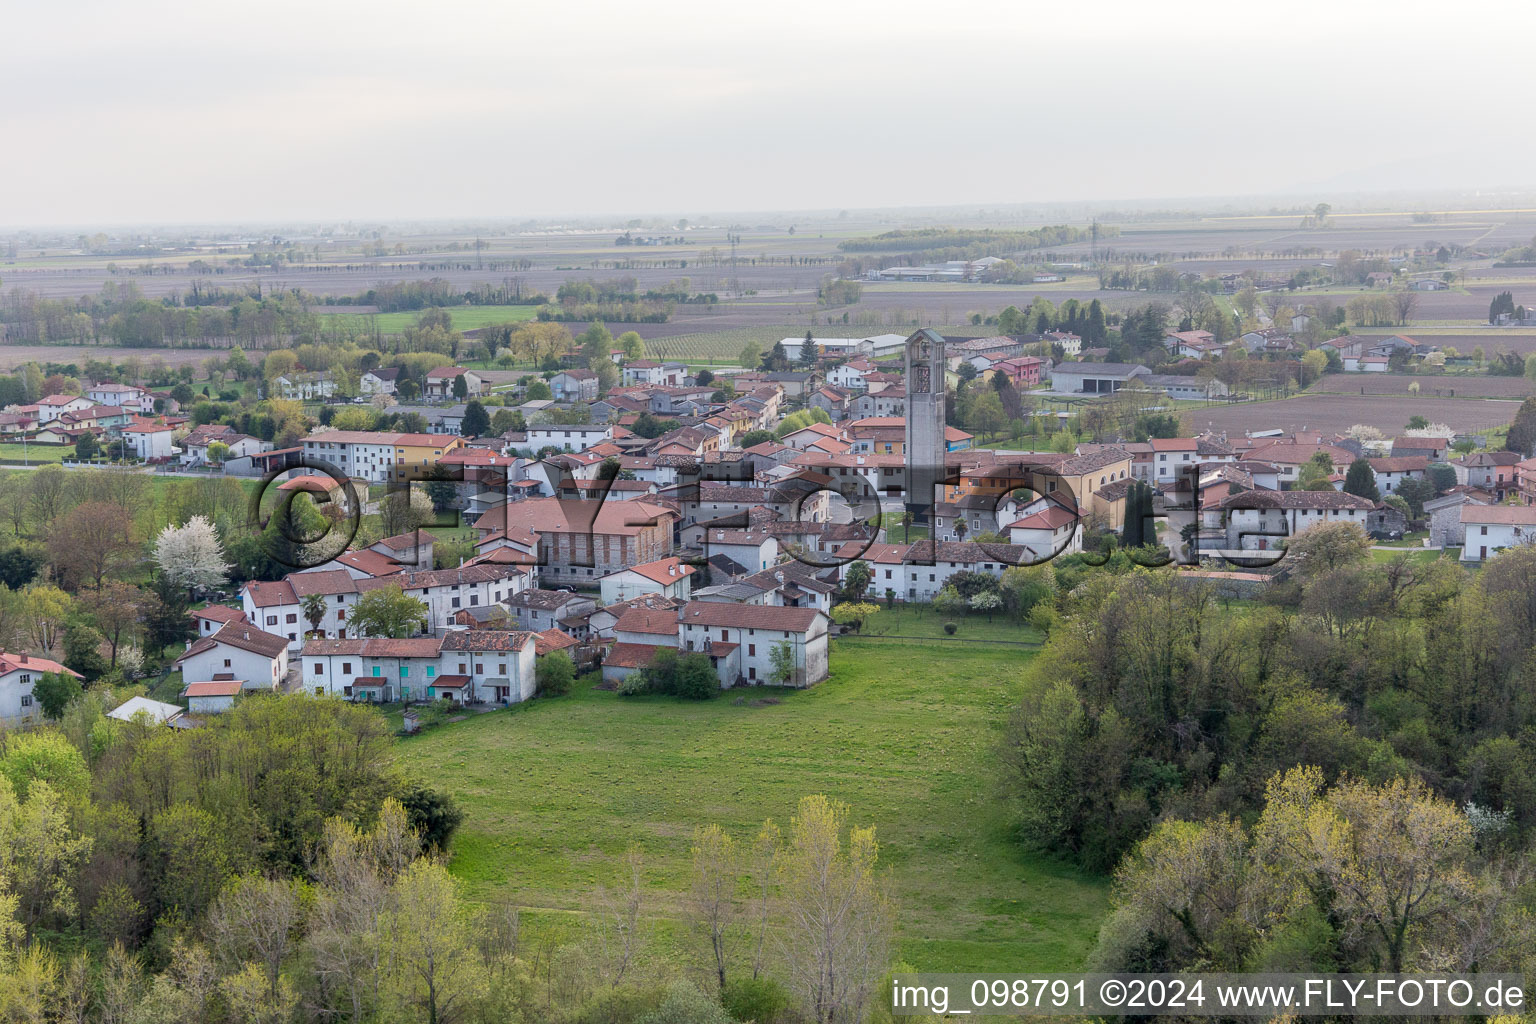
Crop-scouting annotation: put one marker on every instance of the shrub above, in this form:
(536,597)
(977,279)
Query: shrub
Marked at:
(761,1000)
(554,674)
(949,628)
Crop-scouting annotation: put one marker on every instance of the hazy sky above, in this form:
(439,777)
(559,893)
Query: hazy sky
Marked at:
(161,111)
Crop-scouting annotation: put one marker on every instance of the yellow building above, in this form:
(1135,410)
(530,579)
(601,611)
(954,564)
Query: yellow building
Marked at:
(415,453)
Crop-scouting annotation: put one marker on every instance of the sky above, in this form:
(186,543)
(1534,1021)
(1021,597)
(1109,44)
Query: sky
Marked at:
(329,110)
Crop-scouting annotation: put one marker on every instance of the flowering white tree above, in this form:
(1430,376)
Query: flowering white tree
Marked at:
(191,556)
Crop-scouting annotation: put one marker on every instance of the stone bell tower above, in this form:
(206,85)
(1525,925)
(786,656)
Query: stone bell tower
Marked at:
(925,445)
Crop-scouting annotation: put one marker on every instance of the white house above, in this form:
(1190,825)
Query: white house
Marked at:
(124,396)
(917,572)
(278,606)
(1262,520)
(380,381)
(440,383)
(1391,472)
(574,386)
(1047,530)
(753,550)
(211,696)
(1489,529)
(538,610)
(239,651)
(667,576)
(52,407)
(1366,364)
(496,665)
(756,630)
(648,371)
(568,437)
(463,665)
(371,669)
(149,441)
(18,674)
(304,387)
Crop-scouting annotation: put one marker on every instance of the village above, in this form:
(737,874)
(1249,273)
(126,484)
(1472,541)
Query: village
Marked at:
(737,534)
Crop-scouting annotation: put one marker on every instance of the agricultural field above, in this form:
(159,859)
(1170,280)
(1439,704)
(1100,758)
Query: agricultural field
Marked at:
(12,356)
(465,318)
(1335,413)
(556,790)
(1451,385)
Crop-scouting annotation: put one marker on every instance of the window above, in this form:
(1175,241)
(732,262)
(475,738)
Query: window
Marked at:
(462,668)
(377,671)
(341,616)
(346,668)
(291,618)
(431,671)
(501,669)
(405,671)
(319,668)
(1483,531)
(226,663)
(751,650)
(455,602)
(271,620)
(26,700)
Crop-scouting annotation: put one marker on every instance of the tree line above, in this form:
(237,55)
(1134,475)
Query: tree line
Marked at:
(1242,766)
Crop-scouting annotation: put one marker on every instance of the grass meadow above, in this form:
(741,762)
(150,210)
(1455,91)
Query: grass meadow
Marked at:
(904,731)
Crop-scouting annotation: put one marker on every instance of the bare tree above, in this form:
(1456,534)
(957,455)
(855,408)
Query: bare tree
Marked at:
(256,919)
(714,890)
(1405,302)
(838,919)
(762,866)
(618,916)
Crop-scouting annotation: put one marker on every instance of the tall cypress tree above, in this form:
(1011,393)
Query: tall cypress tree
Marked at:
(1360,480)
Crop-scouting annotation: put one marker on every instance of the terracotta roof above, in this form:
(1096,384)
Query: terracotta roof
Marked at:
(741,616)
(218,613)
(542,600)
(407,541)
(485,640)
(1400,464)
(664,570)
(660,621)
(548,640)
(1499,515)
(1329,499)
(247,637)
(25,662)
(557,515)
(213,688)
(632,655)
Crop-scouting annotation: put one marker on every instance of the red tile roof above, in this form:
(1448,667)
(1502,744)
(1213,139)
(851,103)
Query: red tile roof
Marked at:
(741,616)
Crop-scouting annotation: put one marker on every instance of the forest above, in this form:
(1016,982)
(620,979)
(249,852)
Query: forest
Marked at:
(1337,776)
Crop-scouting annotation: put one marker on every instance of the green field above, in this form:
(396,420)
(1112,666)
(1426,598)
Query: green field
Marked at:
(465,318)
(32,454)
(904,731)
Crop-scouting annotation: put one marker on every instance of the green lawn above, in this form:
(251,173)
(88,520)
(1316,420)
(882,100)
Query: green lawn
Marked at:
(1417,557)
(903,731)
(34,453)
(922,621)
(465,318)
